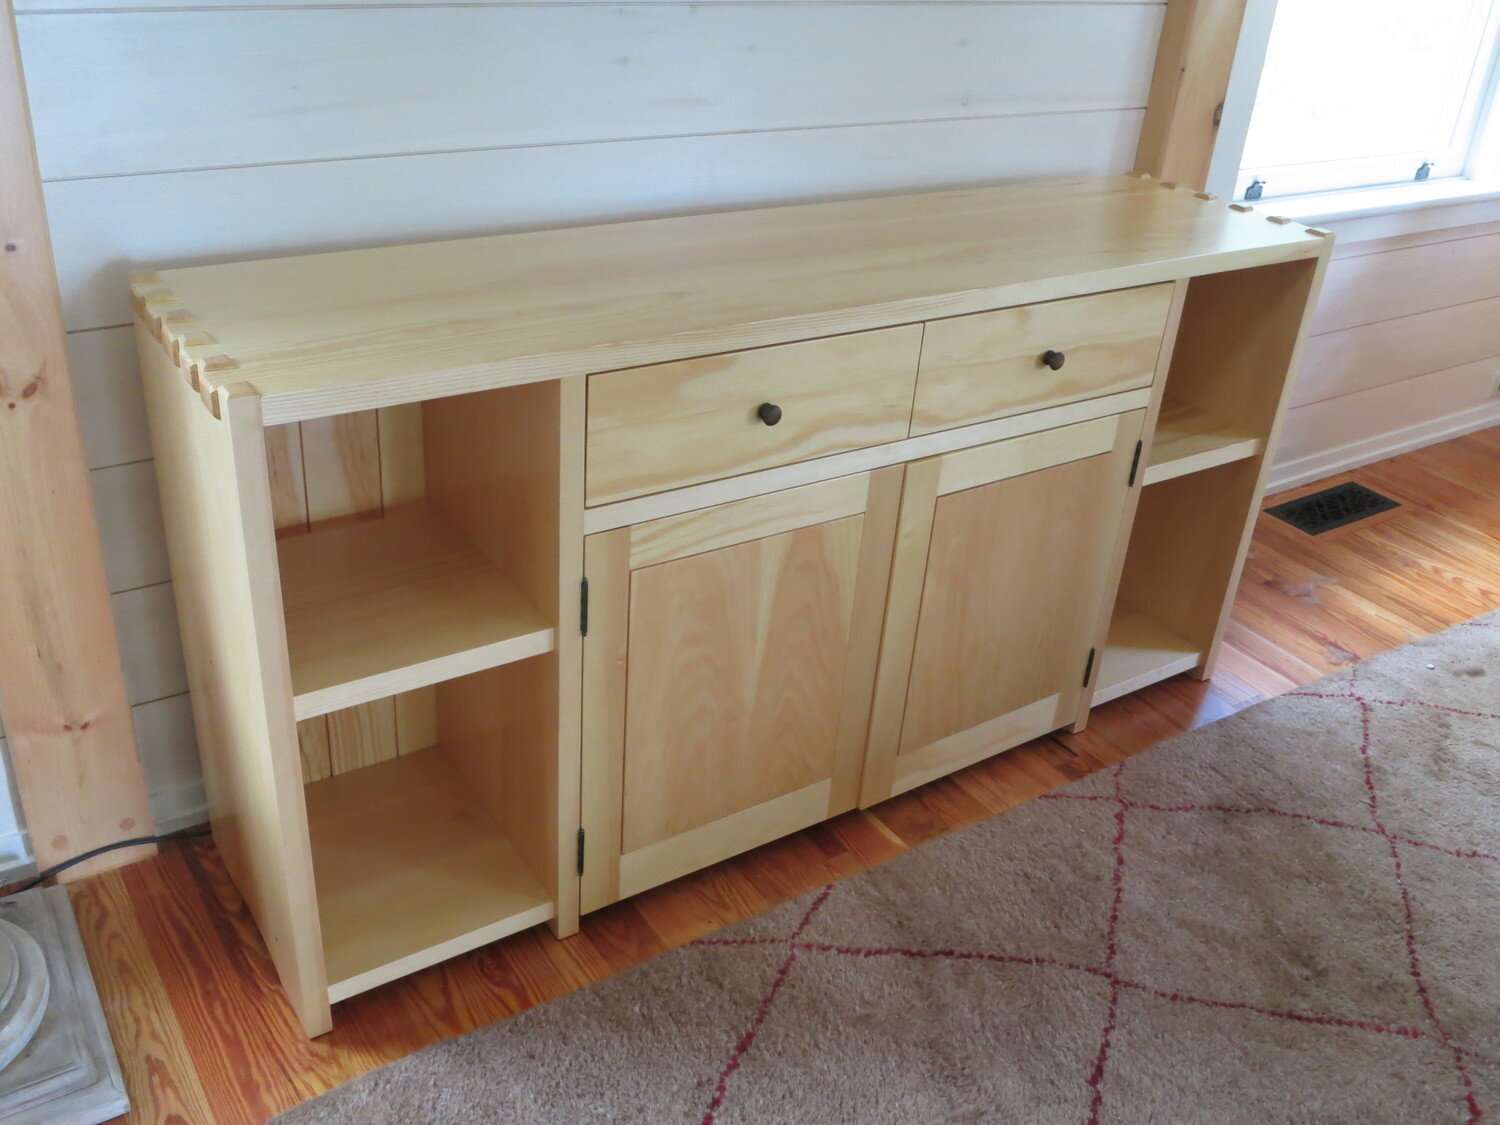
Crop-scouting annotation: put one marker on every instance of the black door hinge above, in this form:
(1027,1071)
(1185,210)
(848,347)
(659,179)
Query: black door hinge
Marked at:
(583,607)
(1088,669)
(1135,464)
(580,851)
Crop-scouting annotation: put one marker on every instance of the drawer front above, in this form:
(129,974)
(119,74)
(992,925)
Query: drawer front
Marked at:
(674,424)
(989,365)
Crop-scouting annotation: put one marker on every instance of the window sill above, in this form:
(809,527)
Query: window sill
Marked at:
(1384,212)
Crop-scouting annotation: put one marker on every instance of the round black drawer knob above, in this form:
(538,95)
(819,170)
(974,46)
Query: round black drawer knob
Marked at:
(1054,360)
(769,413)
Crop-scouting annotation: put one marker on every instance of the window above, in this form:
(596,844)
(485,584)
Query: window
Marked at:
(1358,93)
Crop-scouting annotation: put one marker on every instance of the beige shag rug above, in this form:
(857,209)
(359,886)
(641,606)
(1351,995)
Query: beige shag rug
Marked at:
(1291,915)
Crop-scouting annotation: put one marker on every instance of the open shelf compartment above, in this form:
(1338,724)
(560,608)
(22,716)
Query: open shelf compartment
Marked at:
(411,869)
(1140,651)
(390,604)
(1189,439)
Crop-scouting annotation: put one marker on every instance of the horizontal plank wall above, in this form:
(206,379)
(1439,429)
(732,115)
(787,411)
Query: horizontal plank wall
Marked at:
(1404,351)
(281,127)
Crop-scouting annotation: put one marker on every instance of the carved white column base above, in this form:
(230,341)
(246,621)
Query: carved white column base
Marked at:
(57,1064)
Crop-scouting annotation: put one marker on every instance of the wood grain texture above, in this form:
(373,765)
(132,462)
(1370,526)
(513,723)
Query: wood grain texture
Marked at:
(341,468)
(384,606)
(507,467)
(736,665)
(216,493)
(677,424)
(336,333)
(63,690)
(361,736)
(755,517)
(987,648)
(1239,340)
(767,481)
(1038,517)
(1437,562)
(989,365)
(1191,77)
(730,670)
(410,831)
(606,565)
(1188,439)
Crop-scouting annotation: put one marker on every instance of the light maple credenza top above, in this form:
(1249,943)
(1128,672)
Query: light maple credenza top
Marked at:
(329,333)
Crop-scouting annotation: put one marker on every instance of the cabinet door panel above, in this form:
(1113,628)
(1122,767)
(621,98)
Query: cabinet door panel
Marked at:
(728,674)
(1001,567)
(736,670)
(1000,618)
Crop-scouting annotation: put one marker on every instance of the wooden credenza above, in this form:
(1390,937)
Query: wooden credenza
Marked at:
(519,574)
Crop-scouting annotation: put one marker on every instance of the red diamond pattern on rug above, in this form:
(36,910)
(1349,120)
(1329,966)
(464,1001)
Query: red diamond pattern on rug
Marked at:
(1374,982)
(1289,915)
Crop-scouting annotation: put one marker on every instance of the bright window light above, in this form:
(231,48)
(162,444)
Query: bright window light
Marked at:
(1357,93)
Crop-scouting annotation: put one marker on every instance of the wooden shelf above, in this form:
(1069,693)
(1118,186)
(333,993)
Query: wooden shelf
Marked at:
(1189,440)
(383,606)
(1140,652)
(410,870)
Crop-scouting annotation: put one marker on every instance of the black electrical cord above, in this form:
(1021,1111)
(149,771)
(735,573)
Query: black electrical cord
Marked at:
(42,876)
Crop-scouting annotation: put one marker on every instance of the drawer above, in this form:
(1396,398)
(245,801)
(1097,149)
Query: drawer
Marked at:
(674,424)
(991,364)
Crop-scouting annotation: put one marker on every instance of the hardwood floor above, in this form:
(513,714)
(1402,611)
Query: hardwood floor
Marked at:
(204,1034)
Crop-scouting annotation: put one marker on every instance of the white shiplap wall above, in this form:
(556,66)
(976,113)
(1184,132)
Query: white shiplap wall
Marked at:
(173,133)
(1404,350)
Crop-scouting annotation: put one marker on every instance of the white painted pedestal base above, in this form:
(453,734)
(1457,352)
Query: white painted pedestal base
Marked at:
(57,1064)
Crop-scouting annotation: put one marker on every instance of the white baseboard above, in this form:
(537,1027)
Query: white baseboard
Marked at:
(175,808)
(1293,474)
(15,857)
(181,806)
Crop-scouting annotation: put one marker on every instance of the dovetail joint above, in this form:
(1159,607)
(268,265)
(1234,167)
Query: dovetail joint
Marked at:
(193,351)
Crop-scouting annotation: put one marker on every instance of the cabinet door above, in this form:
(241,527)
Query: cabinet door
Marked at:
(1001,565)
(729,665)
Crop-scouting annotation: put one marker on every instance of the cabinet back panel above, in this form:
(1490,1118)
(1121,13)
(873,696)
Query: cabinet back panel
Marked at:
(328,470)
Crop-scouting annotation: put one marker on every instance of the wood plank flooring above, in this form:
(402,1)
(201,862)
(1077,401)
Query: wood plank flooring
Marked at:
(205,1036)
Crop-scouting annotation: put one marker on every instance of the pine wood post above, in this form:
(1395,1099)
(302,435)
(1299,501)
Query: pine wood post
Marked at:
(61,686)
(1188,86)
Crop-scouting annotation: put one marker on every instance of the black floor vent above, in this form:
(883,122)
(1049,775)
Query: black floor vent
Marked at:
(1338,506)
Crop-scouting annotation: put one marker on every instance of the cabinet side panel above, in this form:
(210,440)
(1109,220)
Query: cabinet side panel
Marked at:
(1238,339)
(1237,347)
(506,467)
(216,499)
